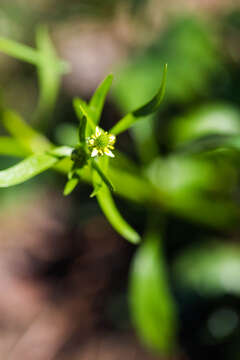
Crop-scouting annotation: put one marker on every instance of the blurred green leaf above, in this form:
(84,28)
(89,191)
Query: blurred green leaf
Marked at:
(11,147)
(197,189)
(212,119)
(152,307)
(30,139)
(26,169)
(145,110)
(61,151)
(189,47)
(97,101)
(211,269)
(19,51)
(50,70)
(66,134)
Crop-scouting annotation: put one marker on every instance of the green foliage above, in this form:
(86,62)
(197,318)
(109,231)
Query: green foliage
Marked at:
(193,181)
(211,269)
(98,98)
(145,110)
(151,304)
(213,119)
(26,169)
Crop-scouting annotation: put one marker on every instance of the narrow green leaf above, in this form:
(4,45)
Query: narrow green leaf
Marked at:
(102,175)
(30,139)
(70,186)
(144,110)
(108,207)
(26,169)
(82,109)
(61,151)
(19,51)
(82,130)
(151,304)
(50,70)
(97,101)
(11,147)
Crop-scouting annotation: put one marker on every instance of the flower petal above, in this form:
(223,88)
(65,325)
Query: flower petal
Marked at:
(94,152)
(98,131)
(112,139)
(109,153)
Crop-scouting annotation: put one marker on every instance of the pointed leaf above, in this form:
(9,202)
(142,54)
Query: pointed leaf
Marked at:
(151,304)
(70,186)
(82,129)
(29,138)
(19,51)
(26,169)
(144,110)
(97,101)
(108,207)
(82,110)
(102,175)
(61,151)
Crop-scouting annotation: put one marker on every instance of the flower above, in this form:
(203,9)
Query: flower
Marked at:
(101,143)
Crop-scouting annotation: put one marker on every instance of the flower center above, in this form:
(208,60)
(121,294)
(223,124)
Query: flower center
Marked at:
(101,141)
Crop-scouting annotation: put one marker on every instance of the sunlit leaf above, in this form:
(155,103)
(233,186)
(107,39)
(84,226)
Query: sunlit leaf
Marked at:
(111,212)
(70,186)
(26,169)
(97,101)
(145,110)
(152,307)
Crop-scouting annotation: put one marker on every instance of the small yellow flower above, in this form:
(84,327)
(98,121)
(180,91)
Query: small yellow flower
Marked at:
(101,143)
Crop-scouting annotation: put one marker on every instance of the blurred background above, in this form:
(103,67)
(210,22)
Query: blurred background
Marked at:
(63,269)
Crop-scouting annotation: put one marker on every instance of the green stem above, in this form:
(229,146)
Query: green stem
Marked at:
(19,51)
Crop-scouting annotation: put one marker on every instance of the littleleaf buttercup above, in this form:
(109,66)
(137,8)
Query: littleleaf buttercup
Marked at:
(101,143)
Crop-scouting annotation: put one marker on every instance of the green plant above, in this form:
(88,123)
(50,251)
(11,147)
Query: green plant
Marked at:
(95,161)
(190,182)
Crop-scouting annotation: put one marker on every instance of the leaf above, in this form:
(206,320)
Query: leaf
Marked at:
(50,70)
(30,139)
(211,142)
(82,109)
(211,269)
(61,151)
(11,147)
(26,169)
(108,207)
(82,130)
(97,101)
(70,186)
(19,51)
(96,165)
(207,120)
(152,307)
(145,110)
